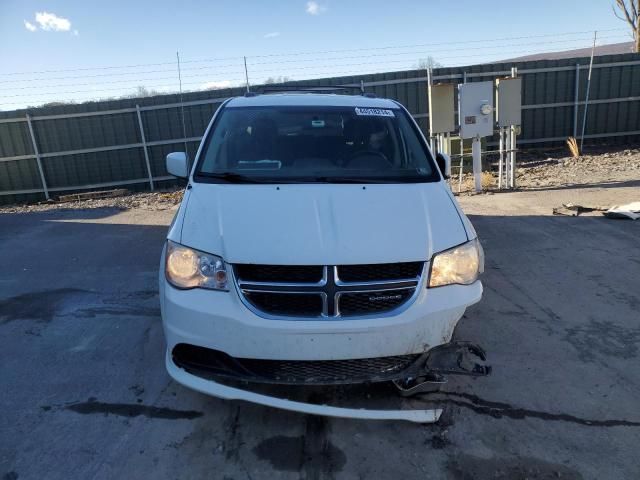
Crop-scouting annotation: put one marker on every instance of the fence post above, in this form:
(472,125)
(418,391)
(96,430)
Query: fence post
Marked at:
(586,100)
(144,147)
(576,102)
(36,152)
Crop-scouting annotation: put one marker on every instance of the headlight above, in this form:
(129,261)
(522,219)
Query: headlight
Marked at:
(461,264)
(188,268)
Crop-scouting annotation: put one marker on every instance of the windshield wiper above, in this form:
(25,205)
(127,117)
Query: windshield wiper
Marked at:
(333,179)
(233,177)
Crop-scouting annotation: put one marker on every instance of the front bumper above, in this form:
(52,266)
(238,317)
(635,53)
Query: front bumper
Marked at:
(220,321)
(219,390)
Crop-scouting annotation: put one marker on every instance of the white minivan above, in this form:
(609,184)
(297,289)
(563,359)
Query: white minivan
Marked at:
(317,244)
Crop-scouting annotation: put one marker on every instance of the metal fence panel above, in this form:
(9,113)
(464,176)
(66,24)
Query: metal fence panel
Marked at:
(100,143)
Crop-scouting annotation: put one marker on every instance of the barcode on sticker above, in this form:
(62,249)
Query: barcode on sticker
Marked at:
(375,112)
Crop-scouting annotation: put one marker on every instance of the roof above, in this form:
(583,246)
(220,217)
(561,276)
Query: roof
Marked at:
(311,99)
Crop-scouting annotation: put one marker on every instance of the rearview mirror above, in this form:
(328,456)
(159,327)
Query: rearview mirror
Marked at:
(444,164)
(177,164)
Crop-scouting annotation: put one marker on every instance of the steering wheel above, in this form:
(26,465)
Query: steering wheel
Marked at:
(366,153)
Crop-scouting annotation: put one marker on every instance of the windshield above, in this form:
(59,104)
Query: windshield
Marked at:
(285,144)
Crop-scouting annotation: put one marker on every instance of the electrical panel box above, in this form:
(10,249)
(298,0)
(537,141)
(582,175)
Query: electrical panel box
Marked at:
(508,101)
(442,108)
(475,108)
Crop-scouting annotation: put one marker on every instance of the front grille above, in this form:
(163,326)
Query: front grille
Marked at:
(279,273)
(308,372)
(329,371)
(372,302)
(312,292)
(378,272)
(286,303)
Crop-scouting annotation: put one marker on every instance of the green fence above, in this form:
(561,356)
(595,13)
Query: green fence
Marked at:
(53,150)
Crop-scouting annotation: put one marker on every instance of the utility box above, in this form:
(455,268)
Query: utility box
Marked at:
(475,108)
(508,101)
(441,108)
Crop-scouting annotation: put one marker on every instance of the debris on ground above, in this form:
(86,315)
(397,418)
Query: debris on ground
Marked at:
(163,200)
(630,210)
(573,210)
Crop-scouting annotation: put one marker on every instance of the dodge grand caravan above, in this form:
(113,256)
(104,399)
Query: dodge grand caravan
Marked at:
(317,244)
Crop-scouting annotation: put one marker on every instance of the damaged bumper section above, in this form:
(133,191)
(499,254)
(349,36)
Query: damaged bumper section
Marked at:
(211,387)
(343,368)
(290,384)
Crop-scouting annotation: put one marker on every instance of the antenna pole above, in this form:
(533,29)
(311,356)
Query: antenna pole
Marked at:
(246,73)
(184,126)
(586,100)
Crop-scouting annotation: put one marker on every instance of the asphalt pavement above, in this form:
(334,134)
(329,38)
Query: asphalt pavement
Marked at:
(84,393)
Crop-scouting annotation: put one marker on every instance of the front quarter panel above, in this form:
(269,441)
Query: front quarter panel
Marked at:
(175,229)
(468,226)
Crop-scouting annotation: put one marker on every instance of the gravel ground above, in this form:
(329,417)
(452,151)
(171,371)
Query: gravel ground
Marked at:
(542,172)
(145,201)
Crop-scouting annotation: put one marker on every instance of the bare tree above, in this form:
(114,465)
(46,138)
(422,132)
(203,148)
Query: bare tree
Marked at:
(427,63)
(141,91)
(280,79)
(629,11)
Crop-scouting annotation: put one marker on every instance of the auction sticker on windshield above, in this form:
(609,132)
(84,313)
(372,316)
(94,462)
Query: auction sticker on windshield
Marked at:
(374,112)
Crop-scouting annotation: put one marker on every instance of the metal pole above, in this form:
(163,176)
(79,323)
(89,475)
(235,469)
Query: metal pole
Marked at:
(36,152)
(512,183)
(461,165)
(431,140)
(507,160)
(246,73)
(512,173)
(501,160)
(586,101)
(144,147)
(184,126)
(477,163)
(576,101)
(447,143)
(464,80)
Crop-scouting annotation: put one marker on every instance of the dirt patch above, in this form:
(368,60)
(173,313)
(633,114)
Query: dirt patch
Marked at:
(144,200)
(41,306)
(465,467)
(605,338)
(538,171)
(311,453)
(131,410)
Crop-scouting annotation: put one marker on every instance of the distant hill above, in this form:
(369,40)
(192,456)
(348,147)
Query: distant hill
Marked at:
(611,49)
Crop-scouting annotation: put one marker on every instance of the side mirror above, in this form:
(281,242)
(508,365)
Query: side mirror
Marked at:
(177,164)
(444,164)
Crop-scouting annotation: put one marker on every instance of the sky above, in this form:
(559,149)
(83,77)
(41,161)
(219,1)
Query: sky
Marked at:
(75,50)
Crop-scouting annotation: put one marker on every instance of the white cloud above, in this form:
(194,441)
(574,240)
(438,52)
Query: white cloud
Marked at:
(50,21)
(215,85)
(30,26)
(314,8)
(272,35)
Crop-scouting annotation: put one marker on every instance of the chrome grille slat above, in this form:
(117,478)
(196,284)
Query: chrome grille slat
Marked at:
(362,297)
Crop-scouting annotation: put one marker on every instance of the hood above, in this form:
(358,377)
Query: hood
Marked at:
(321,224)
